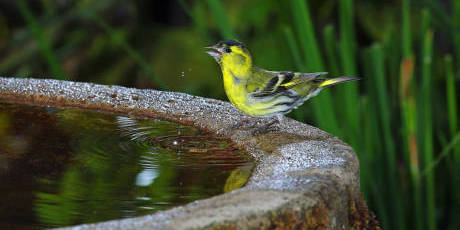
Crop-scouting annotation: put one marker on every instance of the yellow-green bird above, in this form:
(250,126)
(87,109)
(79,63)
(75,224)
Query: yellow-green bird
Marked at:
(263,93)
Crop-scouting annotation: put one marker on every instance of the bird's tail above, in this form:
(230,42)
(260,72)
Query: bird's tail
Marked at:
(334,81)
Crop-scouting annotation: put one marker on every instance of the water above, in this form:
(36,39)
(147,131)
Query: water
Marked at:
(62,167)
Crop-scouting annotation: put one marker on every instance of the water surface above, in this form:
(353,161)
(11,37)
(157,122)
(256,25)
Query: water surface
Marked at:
(62,167)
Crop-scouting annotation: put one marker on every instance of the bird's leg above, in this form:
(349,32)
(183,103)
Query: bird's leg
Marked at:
(269,126)
(276,120)
(243,124)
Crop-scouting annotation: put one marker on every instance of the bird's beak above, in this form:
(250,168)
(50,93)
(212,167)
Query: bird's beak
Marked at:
(215,52)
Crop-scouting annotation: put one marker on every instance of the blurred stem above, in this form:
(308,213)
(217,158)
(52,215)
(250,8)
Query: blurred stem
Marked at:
(385,115)
(294,50)
(349,92)
(44,43)
(304,28)
(445,151)
(454,147)
(406,31)
(427,50)
(373,153)
(451,95)
(347,34)
(330,47)
(322,105)
(392,48)
(407,95)
(456,29)
(408,113)
(218,13)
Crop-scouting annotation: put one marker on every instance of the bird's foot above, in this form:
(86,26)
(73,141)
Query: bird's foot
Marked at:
(243,124)
(263,125)
(269,126)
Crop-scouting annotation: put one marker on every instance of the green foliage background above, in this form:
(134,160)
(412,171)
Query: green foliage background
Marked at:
(401,119)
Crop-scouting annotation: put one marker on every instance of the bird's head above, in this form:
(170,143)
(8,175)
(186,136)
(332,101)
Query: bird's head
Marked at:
(230,53)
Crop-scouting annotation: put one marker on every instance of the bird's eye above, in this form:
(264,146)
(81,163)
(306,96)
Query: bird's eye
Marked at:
(227,50)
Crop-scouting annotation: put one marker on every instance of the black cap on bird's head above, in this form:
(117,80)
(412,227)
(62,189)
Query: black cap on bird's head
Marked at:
(223,47)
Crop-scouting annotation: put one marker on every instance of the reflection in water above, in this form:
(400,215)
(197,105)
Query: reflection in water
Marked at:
(146,177)
(61,167)
(238,177)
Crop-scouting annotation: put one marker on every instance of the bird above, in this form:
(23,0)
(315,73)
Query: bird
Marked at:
(264,93)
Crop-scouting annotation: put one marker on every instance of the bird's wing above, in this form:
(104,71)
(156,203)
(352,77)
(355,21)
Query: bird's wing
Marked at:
(270,82)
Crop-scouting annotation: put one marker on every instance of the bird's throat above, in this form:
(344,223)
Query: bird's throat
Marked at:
(235,88)
(240,72)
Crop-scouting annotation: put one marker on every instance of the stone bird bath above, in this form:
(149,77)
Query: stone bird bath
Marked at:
(304,177)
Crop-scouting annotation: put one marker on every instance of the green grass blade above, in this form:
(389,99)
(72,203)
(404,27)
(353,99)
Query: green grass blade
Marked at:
(456,29)
(408,114)
(330,45)
(386,121)
(406,31)
(454,146)
(349,93)
(44,43)
(347,34)
(293,47)
(392,49)
(365,159)
(372,171)
(306,33)
(218,13)
(451,95)
(322,104)
(427,50)
(295,51)
(406,93)
(444,153)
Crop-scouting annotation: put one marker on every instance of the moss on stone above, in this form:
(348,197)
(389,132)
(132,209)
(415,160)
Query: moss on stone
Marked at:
(360,217)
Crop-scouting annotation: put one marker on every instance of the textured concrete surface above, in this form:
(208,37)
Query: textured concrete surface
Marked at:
(304,178)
